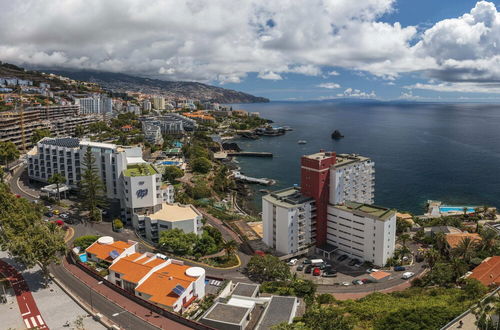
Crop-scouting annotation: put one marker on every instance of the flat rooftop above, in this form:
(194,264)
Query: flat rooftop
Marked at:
(140,170)
(98,144)
(279,309)
(226,313)
(66,142)
(288,197)
(245,289)
(175,212)
(347,159)
(380,212)
(320,155)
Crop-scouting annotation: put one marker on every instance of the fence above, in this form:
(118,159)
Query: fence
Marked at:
(172,316)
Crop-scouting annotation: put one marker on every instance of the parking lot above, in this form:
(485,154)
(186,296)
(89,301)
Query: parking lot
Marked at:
(345,273)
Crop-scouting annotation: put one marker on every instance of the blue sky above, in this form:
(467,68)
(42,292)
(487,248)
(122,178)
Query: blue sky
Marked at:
(447,50)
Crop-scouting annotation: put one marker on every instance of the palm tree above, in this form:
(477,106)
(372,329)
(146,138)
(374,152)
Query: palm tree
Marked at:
(432,256)
(230,247)
(57,179)
(458,267)
(488,239)
(484,311)
(465,248)
(465,210)
(404,238)
(440,239)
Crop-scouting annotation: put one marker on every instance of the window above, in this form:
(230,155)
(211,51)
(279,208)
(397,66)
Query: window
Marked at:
(117,275)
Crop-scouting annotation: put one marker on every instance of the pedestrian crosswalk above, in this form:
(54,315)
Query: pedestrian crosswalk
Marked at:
(34,322)
(215,283)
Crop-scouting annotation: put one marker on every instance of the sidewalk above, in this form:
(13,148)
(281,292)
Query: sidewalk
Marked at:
(55,306)
(125,303)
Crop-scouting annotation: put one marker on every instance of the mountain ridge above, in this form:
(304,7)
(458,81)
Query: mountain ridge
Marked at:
(121,82)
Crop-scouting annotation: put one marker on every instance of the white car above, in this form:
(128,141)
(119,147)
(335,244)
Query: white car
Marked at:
(346,283)
(407,275)
(292,262)
(371,270)
(64,215)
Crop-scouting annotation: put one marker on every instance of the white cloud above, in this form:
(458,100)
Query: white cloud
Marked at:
(356,93)
(409,96)
(269,76)
(224,40)
(461,87)
(329,85)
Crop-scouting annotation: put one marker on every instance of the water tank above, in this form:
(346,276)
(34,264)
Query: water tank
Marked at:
(105,240)
(195,272)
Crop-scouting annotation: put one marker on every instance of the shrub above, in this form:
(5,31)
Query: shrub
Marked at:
(117,224)
(85,241)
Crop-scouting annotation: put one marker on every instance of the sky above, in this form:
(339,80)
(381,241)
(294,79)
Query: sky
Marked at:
(425,50)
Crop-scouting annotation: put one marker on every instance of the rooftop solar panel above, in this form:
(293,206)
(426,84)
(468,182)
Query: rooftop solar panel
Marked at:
(178,290)
(114,254)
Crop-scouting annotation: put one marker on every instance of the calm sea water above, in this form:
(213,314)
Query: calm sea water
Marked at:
(447,152)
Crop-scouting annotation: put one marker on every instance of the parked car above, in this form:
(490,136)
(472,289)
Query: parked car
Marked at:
(357,282)
(308,269)
(300,268)
(352,262)
(346,283)
(343,257)
(367,280)
(292,262)
(56,212)
(64,215)
(372,270)
(329,274)
(316,271)
(399,268)
(306,262)
(48,214)
(407,275)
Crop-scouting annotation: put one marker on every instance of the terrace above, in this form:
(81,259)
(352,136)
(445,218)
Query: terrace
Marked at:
(140,170)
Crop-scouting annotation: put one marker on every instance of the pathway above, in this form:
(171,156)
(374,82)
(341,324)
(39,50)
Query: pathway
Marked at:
(27,305)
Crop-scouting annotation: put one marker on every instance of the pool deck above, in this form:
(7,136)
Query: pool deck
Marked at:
(434,209)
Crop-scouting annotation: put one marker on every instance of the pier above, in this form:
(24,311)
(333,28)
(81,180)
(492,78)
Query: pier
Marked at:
(238,176)
(250,154)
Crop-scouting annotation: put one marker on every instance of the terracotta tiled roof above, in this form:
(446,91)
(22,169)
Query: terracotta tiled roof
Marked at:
(135,266)
(161,283)
(102,251)
(454,240)
(488,272)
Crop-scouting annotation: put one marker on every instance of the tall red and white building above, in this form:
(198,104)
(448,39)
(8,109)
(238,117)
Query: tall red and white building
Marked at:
(332,210)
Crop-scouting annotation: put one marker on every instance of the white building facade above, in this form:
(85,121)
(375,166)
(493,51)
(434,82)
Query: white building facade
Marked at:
(352,178)
(361,231)
(288,220)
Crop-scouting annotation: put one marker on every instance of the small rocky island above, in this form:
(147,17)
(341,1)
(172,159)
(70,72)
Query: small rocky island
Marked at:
(337,135)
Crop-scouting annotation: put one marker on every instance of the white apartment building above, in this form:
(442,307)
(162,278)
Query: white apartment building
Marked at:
(89,105)
(288,220)
(152,133)
(146,105)
(352,178)
(362,231)
(170,216)
(159,103)
(125,175)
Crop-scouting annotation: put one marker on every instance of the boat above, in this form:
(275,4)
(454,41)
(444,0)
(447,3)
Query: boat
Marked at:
(302,142)
(264,191)
(287,128)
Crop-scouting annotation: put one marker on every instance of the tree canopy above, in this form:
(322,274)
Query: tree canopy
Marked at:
(91,187)
(172,173)
(8,152)
(267,268)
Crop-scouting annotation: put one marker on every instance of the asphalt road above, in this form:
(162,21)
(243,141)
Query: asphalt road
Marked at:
(100,304)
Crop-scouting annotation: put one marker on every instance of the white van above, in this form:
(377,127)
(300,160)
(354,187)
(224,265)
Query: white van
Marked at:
(407,275)
(316,262)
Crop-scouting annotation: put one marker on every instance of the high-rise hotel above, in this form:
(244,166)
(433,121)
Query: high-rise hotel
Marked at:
(332,210)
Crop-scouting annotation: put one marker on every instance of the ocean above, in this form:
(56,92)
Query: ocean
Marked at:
(422,151)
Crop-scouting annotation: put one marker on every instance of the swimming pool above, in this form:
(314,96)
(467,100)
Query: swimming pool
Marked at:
(169,163)
(446,208)
(83,257)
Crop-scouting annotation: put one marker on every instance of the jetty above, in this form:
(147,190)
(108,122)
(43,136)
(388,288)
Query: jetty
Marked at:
(238,176)
(250,154)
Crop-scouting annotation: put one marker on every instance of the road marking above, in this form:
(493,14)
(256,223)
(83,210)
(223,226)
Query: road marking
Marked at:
(33,321)
(39,318)
(28,325)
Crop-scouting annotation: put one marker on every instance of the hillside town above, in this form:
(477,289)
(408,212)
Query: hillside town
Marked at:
(140,207)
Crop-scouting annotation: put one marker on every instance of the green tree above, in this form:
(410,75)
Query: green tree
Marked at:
(39,134)
(466,249)
(474,289)
(432,256)
(177,242)
(201,165)
(172,173)
(198,191)
(91,188)
(417,318)
(267,268)
(79,131)
(57,179)
(488,240)
(326,318)
(404,239)
(230,247)
(8,152)
(85,241)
